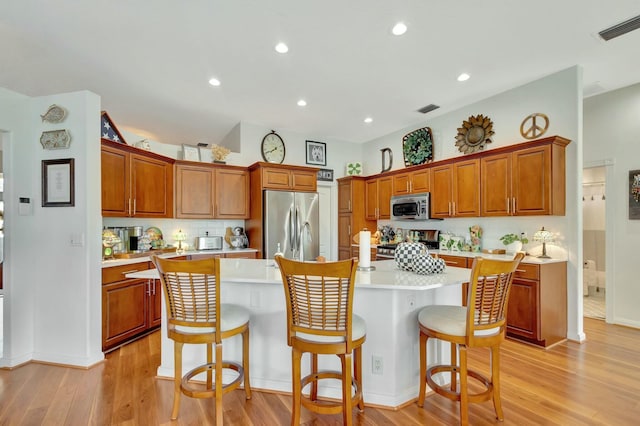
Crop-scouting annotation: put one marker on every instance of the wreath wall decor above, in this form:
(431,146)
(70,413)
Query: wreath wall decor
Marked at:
(417,147)
(474,134)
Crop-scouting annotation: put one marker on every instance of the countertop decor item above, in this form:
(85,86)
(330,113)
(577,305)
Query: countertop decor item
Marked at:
(55,114)
(475,234)
(417,147)
(55,139)
(474,134)
(513,242)
(544,237)
(179,237)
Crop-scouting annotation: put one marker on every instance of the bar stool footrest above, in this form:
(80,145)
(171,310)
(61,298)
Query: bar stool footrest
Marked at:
(202,391)
(325,406)
(454,395)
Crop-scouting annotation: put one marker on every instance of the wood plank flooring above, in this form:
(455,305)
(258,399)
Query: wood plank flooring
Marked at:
(594,383)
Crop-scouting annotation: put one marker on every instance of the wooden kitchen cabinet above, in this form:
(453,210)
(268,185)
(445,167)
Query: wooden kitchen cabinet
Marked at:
(455,189)
(378,198)
(194,191)
(135,183)
(528,181)
(414,182)
(283,177)
(205,191)
(237,255)
(231,193)
(537,311)
(130,307)
(351,215)
(289,178)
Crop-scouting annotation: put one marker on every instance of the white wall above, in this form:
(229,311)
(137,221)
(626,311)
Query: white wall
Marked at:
(611,129)
(52,291)
(559,97)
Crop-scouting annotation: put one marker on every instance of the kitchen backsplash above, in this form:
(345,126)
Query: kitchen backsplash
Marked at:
(191,227)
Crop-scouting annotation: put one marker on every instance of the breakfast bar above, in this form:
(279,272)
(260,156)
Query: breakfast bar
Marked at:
(388,299)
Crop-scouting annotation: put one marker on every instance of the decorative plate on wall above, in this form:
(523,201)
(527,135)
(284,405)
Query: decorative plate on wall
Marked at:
(55,139)
(417,147)
(474,134)
(55,114)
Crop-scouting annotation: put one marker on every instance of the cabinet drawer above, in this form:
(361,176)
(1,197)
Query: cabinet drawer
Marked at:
(528,270)
(457,261)
(117,273)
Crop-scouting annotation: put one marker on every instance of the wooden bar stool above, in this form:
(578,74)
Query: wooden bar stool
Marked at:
(195,315)
(482,323)
(320,321)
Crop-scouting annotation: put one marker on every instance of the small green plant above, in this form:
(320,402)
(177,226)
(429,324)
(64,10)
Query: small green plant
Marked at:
(510,238)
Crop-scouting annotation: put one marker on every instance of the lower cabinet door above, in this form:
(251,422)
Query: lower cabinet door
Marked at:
(155,303)
(124,311)
(522,313)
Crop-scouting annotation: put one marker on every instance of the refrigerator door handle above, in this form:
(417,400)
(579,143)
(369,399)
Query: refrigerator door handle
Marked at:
(292,237)
(297,231)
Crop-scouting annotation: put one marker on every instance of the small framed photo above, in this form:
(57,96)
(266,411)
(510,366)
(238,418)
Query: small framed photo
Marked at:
(316,153)
(58,183)
(190,153)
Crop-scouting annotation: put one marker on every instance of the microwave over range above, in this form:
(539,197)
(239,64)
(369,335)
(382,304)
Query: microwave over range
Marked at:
(410,207)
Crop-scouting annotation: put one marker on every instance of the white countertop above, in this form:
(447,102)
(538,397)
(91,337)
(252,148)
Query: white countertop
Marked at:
(527,259)
(128,261)
(386,276)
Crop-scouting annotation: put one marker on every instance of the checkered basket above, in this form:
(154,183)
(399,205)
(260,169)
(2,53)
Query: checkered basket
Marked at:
(405,252)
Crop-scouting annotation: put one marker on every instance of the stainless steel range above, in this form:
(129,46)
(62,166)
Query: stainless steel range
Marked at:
(426,237)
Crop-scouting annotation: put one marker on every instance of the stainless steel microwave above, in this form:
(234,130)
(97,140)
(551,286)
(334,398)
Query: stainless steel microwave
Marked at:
(410,207)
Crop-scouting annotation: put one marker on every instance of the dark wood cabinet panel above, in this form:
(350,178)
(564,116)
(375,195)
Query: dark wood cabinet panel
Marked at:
(378,198)
(155,302)
(455,189)
(194,192)
(135,183)
(351,213)
(231,194)
(522,317)
(125,311)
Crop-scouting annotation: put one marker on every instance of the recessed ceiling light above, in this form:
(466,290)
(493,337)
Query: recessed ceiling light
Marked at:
(282,48)
(399,29)
(463,77)
(214,82)
(368,120)
(302,102)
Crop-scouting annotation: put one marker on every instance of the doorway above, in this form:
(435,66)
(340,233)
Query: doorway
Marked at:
(594,285)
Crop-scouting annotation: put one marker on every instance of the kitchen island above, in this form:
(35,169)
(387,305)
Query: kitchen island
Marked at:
(387,298)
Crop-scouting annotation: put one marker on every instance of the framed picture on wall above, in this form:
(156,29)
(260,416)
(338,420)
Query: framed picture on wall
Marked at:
(58,183)
(316,153)
(634,194)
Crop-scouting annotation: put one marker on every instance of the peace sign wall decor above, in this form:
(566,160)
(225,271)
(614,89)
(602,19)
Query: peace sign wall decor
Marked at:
(531,128)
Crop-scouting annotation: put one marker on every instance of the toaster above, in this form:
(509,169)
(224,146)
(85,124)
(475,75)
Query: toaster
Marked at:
(209,243)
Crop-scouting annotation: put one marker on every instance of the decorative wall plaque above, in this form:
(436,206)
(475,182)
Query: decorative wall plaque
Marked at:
(55,139)
(533,129)
(55,114)
(417,147)
(474,134)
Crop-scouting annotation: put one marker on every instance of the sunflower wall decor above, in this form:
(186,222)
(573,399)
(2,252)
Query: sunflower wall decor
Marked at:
(417,147)
(474,134)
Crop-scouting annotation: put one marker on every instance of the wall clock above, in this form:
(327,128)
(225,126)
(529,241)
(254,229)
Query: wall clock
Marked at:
(272,148)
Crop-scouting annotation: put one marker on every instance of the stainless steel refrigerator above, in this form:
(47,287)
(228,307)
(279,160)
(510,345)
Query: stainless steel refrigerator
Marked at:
(291,220)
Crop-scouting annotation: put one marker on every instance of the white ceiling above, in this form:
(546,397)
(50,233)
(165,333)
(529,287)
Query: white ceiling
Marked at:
(150,60)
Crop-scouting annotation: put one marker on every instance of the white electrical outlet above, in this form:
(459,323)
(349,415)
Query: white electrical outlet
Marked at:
(376,364)
(411,300)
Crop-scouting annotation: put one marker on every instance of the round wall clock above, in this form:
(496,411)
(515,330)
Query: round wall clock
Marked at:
(474,134)
(272,148)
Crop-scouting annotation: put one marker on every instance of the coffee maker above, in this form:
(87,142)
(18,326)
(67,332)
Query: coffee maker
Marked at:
(135,232)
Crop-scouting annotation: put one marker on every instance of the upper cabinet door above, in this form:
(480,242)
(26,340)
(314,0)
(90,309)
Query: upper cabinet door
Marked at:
(441,191)
(115,182)
(151,187)
(344,195)
(385,189)
(194,192)
(466,188)
(495,183)
(532,181)
(231,194)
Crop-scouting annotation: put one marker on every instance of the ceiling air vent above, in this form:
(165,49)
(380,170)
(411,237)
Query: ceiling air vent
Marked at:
(620,29)
(428,108)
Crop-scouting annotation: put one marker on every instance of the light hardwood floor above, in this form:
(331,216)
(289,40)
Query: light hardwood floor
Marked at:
(597,382)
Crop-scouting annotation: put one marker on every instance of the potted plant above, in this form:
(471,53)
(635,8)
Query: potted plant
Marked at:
(514,242)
